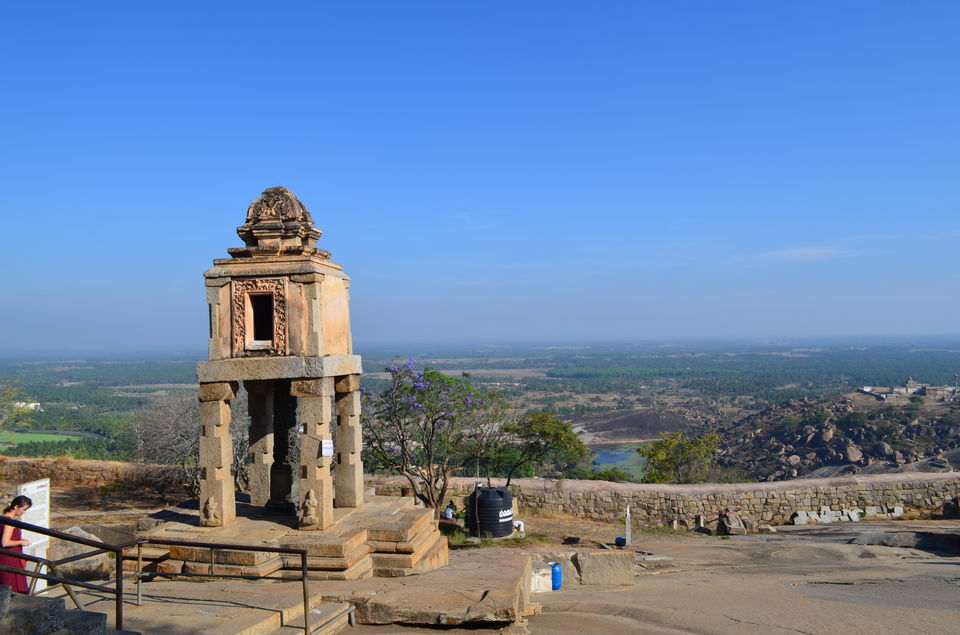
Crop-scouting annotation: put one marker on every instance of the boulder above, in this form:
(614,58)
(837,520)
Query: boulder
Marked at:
(853,453)
(730,524)
(99,567)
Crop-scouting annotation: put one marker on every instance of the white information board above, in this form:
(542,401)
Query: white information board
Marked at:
(326,447)
(38,514)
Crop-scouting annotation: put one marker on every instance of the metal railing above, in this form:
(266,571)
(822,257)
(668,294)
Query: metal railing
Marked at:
(118,553)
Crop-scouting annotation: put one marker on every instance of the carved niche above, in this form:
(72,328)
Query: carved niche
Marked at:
(244,292)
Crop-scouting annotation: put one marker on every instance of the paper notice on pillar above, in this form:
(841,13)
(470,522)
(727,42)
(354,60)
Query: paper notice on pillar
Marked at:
(38,514)
(326,447)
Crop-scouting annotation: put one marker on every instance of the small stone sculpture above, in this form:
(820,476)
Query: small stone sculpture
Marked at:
(211,513)
(309,512)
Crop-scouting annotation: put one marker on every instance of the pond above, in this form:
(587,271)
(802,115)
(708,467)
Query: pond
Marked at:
(606,454)
(623,457)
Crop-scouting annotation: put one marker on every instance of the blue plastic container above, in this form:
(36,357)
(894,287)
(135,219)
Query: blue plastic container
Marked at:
(556,576)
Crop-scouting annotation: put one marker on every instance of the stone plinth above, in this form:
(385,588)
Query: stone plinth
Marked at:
(386,537)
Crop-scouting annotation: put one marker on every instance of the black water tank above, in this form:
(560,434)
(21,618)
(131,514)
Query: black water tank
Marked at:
(490,512)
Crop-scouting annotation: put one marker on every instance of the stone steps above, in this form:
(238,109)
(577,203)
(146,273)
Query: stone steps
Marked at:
(386,536)
(221,607)
(362,551)
(39,615)
(362,569)
(326,619)
(393,565)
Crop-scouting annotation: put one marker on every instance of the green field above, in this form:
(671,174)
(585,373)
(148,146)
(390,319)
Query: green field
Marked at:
(9,437)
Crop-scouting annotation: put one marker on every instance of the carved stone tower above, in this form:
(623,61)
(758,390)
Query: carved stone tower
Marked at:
(280,323)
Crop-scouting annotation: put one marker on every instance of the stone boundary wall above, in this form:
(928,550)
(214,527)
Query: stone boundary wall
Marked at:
(772,502)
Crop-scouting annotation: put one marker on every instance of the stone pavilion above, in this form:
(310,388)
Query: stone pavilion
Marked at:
(280,323)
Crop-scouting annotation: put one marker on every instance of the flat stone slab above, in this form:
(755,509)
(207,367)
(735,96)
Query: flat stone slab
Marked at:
(479,585)
(278,368)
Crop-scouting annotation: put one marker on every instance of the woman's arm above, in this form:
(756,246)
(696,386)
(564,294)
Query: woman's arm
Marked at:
(6,541)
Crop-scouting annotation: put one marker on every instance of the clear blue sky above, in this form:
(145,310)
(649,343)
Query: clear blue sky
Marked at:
(487,171)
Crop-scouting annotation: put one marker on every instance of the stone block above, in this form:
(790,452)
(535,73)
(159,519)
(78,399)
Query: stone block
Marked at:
(263,368)
(201,555)
(264,568)
(327,545)
(213,416)
(307,388)
(348,403)
(292,561)
(213,451)
(541,577)
(348,383)
(168,567)
(85,622)
(610,568)
(218,391)
(28,614)
(394,565)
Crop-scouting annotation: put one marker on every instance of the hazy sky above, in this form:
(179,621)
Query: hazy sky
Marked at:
(487,170)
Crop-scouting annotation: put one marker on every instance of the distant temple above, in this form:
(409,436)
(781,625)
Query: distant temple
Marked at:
(909,388)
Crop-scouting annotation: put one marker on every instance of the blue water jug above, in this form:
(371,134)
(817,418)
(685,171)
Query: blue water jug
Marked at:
(556,576)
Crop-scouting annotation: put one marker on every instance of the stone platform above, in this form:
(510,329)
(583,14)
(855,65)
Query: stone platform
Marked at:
(386,537)
(480,589)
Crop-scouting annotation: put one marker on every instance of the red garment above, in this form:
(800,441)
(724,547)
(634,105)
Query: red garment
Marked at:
(17,581)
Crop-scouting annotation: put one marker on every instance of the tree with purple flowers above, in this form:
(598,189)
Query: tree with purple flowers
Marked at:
(426,425)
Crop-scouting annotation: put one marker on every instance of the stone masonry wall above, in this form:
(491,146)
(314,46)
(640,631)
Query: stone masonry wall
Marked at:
(772,503)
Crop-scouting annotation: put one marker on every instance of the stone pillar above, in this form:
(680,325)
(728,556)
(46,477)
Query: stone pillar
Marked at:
(217,503)
(284,491)
(260,398)
(316,487)
(349,470)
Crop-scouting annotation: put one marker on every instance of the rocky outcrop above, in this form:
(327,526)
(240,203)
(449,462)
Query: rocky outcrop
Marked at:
(831,437)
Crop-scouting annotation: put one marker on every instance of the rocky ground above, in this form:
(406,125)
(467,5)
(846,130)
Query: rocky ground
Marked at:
(635,424)
(813,581)
(883,577)
(846,435)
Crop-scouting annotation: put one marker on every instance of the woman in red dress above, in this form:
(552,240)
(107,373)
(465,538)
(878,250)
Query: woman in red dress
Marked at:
(11,538)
